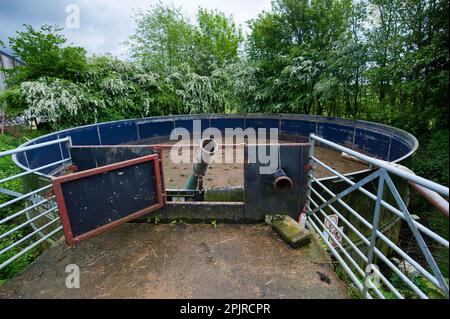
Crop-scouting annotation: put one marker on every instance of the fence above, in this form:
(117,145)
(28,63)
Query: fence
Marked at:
(365,261)
(36,220)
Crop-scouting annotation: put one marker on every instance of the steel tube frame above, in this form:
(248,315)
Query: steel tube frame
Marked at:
(386,205)
(341,261)
(21,240)
(25,196)
(373,238)
(33,170)
(382,277)
(392,245)
(387,166)
(388,262)
(7,218)
(32,147)
(338,257)
(24,251)
(29,221)
(347,255)
(418,237)
(46,203)
(382,174)
(380,255)
(358,251)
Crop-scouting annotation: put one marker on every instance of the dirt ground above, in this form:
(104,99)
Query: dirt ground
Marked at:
(232,174)
(181,261)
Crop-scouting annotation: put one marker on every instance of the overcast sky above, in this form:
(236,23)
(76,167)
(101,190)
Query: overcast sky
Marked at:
(105,24)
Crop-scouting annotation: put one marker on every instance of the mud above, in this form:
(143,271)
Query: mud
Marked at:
(232,174)
(181,261)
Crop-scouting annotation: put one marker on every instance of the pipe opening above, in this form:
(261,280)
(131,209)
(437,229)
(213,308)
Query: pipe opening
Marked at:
(209,146)
(282,182)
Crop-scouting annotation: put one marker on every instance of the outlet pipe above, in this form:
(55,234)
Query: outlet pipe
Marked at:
(208,147)
(281,182)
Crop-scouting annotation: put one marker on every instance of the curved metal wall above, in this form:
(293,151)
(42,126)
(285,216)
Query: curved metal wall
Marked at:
(378,140)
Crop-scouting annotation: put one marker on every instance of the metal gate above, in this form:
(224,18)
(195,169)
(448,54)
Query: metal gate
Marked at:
(369,269)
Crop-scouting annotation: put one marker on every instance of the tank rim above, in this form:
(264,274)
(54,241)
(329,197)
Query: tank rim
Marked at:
(280,116)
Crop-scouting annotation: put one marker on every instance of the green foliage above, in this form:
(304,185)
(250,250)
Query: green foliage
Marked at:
(430,290)
(216,41)
(421,282)
(296,44)
(44,54)
(109,90)
(378,60)
(170,77)
(164,40)
(431,161)
(154,220)
(13,100)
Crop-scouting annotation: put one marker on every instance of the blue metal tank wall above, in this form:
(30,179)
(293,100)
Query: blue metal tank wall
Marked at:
(381,141)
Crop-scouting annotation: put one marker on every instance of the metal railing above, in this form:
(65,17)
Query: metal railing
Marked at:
(29,219)
(365,251)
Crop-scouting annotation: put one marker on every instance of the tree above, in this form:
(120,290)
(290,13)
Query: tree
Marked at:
(165,40)
(45,53)
(409,73)
(381,60)
(293,44)
(216,41)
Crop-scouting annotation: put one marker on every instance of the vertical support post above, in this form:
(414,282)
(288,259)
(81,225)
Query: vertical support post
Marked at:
(373,237)
(3,121)
(419,239)
(311,173)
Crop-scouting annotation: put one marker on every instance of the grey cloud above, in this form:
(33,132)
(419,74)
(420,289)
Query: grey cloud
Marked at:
(106,24)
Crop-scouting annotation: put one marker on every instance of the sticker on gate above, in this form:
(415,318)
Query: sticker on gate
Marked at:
(328,223)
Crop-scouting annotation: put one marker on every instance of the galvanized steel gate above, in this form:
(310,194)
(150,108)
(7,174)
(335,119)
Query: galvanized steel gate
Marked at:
(365,264)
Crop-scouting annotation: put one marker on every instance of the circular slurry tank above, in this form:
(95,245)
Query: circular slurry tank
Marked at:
(373,139)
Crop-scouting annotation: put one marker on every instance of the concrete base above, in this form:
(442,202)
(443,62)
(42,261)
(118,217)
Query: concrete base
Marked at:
(199,212)
(180,261)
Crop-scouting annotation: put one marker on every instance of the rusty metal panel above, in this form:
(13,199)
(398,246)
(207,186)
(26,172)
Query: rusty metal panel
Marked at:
(93,201)
(260,196)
